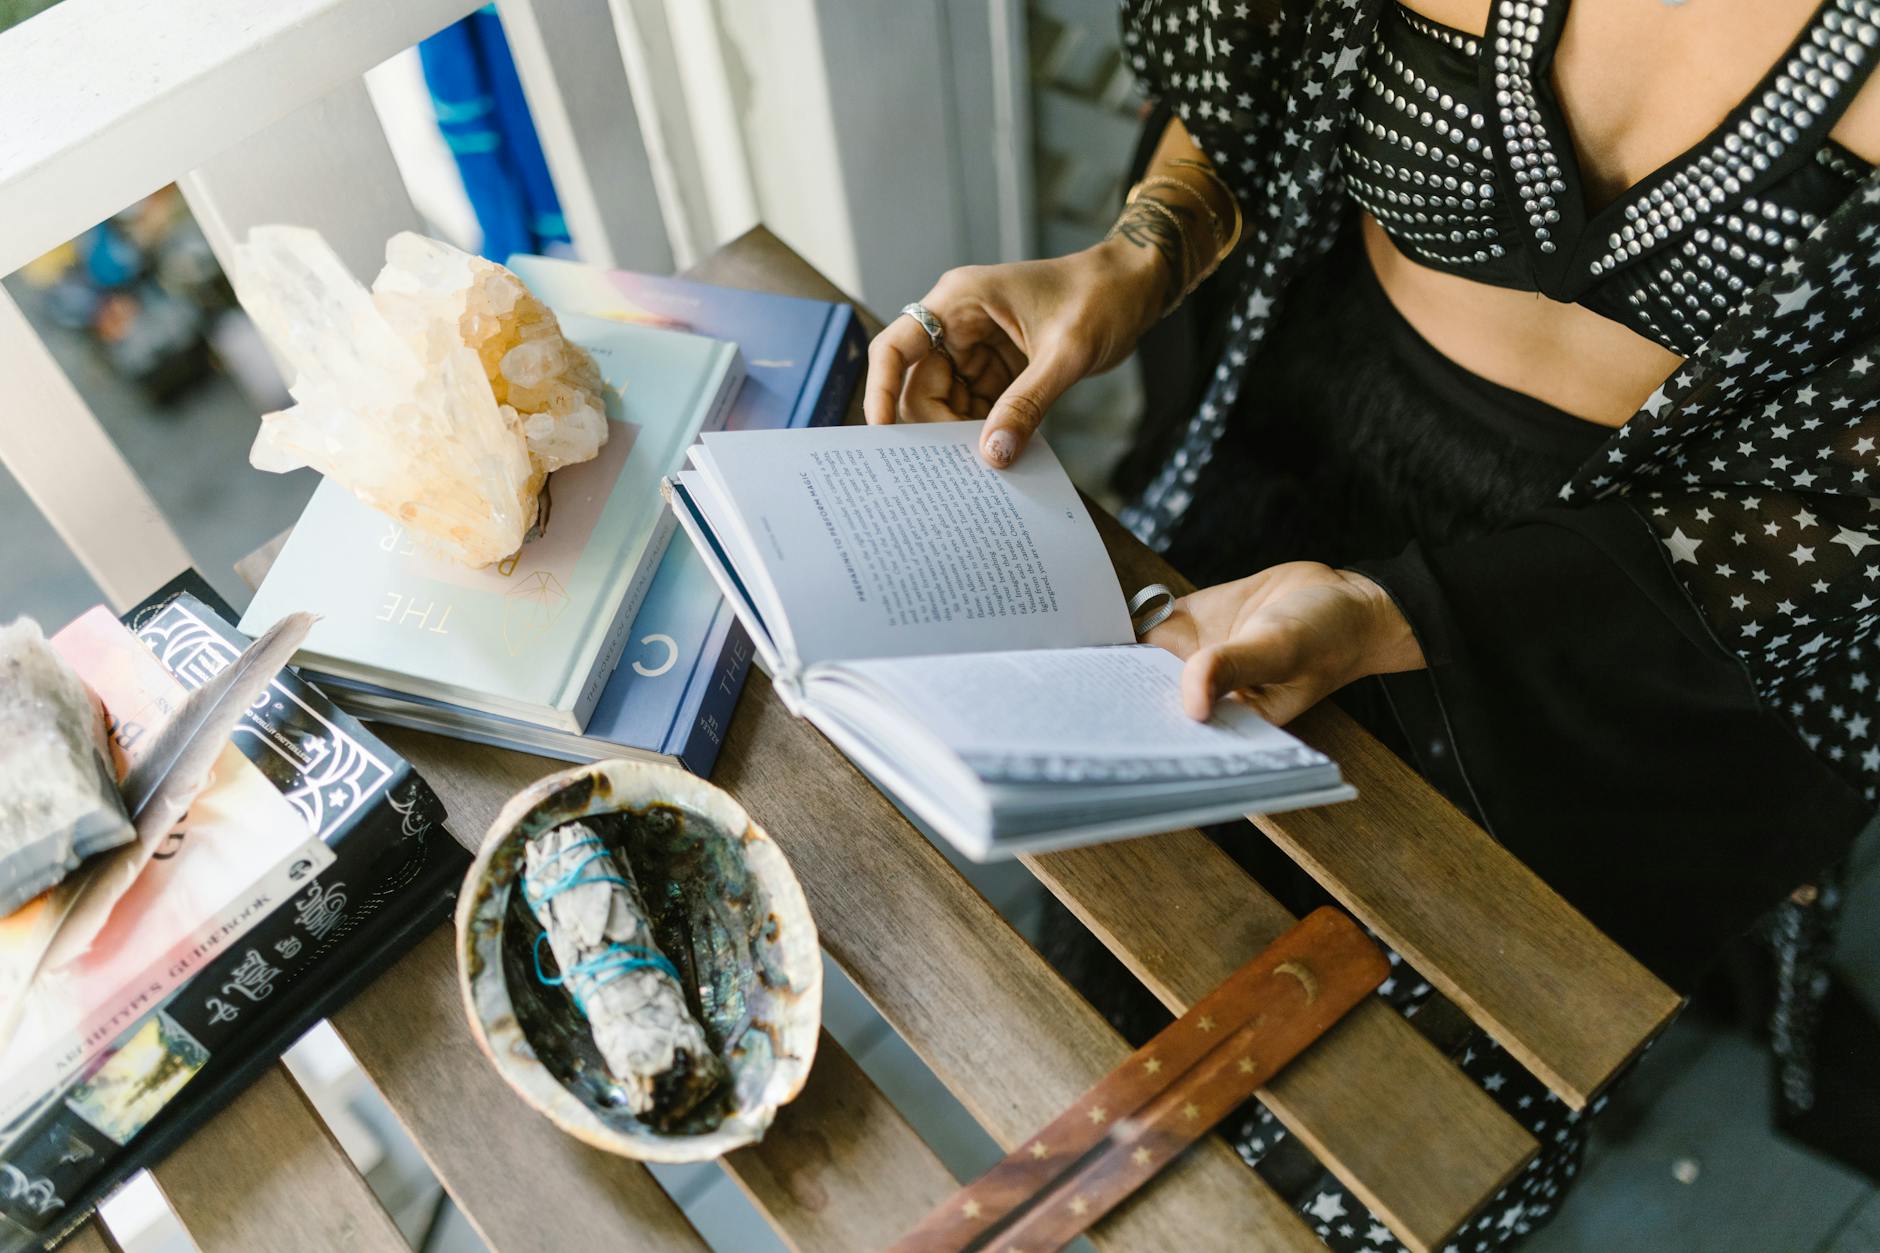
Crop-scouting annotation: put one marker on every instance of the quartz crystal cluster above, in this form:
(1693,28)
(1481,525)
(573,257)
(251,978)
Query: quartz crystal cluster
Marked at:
(443,397)
(59,801)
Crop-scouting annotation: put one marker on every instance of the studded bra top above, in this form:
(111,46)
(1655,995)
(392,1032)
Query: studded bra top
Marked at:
(1458,147)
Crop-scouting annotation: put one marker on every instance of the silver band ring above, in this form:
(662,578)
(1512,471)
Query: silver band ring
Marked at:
(936,336)
(1150,607)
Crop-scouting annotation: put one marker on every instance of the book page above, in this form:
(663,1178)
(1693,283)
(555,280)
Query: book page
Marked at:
(898,541)
(1079,715)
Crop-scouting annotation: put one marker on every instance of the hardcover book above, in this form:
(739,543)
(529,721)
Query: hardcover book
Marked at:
(686,654)
(387,875)
(958,632)
(534,637)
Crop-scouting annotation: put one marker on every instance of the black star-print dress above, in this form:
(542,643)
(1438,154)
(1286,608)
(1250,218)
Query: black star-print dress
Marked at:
(1648,645)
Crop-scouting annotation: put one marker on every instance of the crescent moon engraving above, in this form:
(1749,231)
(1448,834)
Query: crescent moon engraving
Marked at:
(1307,979)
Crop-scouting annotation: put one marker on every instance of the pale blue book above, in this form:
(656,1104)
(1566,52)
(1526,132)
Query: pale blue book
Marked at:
(533,638)
(686,655)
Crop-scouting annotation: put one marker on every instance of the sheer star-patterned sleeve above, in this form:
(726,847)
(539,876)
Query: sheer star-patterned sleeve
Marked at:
(1754,465)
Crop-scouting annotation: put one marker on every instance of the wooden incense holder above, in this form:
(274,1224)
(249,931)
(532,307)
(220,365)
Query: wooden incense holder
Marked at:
(1173,1090)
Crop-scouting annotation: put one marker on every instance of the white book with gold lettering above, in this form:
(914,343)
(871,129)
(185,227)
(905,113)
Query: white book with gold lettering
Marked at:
(959,633)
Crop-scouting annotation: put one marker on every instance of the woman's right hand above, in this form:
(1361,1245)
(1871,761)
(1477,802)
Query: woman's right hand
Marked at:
(1021,334)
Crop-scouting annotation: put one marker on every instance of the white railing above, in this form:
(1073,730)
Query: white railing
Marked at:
(885,141)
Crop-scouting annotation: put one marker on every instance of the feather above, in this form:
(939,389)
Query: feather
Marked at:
(159,790)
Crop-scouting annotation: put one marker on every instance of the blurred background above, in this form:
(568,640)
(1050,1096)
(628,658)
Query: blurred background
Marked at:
(873,174)
(886,143)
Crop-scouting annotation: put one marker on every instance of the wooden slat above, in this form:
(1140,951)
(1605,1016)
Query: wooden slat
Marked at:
(522,1183)
(1528,968)
(1406,1130)
(266,1174)
(162,89)
(1552,989)
(840,1168)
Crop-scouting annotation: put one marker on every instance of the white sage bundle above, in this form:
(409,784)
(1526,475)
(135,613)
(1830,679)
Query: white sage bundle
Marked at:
(596,924)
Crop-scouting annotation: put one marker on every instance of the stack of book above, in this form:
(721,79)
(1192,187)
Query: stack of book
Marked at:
(597,639)
(312,860)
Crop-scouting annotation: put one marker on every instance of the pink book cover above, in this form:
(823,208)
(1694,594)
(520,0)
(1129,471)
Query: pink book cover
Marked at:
(240,852)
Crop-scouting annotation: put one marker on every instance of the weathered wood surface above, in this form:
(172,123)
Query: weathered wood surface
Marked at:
(840,1169)
(1006,1035)
(266,1174)
(1567,1002)
(522,1183)
(1415,1140)
(1169,1093)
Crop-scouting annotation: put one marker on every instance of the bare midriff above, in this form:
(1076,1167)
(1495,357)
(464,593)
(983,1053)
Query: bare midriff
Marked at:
(1566,355)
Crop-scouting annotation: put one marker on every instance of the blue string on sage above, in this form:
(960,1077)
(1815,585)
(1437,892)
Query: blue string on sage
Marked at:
(595,923)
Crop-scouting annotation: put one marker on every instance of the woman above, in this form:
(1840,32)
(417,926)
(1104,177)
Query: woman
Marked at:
(1546,391)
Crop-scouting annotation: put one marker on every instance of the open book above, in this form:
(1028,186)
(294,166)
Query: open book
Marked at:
(959,634)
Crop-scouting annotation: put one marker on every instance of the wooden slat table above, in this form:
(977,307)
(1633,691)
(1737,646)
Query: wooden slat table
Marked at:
(842,1169)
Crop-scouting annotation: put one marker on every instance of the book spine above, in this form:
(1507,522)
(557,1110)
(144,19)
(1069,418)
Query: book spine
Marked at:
(700,751)
(730,383)
(615,643)
(844,357)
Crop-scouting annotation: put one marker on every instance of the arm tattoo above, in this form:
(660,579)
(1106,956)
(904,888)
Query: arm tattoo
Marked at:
(1154,223)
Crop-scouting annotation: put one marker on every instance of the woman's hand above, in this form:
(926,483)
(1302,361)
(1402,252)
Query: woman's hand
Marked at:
(1285,639)
(1021,335)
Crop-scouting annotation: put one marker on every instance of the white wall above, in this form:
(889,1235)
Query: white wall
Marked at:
(870,135)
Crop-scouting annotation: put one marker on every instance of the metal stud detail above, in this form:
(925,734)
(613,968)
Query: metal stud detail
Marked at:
(1683,247)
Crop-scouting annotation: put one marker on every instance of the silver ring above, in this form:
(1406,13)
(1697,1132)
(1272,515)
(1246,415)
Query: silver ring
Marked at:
(936,335)
(1144,614)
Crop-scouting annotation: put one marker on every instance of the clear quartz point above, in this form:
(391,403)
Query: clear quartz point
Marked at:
(443,397)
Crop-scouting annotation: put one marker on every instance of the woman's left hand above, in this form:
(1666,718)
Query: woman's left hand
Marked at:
(1285,639)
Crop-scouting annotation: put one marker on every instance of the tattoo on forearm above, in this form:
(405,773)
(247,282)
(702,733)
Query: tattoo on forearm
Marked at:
(1154,223)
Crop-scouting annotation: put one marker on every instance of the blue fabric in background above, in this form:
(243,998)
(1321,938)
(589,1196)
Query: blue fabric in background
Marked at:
(485,121)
